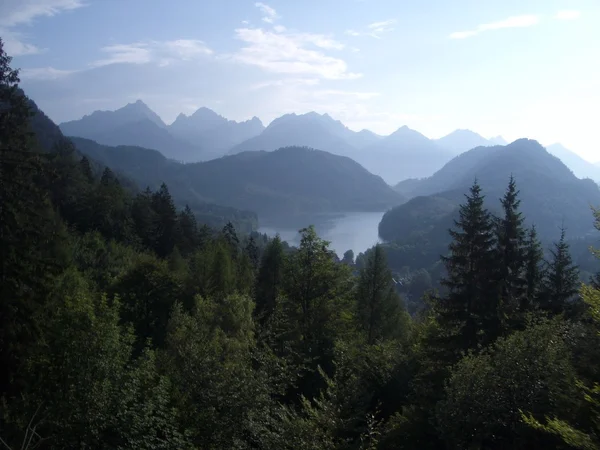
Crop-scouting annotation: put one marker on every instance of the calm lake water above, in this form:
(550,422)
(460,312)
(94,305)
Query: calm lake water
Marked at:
(350,231)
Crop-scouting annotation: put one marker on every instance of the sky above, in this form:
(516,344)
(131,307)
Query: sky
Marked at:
(516,68)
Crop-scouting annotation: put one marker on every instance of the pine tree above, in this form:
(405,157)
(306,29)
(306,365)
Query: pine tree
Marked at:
(561,281)
(252,251)
(510,248)
(189,238)
(144,218)
(86,169)
(316,292)
(166,226)
(231,237)
(378,305)
(269,279)
(469,312)
(222,277)
(534,274)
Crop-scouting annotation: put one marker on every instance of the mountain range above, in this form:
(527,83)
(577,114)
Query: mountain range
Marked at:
(202,136)
(205,135)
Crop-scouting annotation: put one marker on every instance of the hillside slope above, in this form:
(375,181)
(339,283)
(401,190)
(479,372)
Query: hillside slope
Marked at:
(551,194)
(289,182)
(133,166)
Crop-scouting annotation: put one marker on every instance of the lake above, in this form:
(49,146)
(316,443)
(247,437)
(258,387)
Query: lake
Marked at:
(356,231)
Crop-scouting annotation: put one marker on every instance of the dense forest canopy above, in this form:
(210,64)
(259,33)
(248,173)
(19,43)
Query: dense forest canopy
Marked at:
(126,323)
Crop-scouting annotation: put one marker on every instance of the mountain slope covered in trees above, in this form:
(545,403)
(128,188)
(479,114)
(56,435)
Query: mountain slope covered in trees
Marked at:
(552,196)
(136,168)
(287,183)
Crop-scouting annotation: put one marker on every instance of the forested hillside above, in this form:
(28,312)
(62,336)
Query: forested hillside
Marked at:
(279,185)
(552,195)
(125,324)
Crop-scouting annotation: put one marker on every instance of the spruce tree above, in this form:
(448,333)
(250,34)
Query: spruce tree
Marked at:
(269,280)
(167,224)
(188,238)
(469,311)
(222,275)
(511,258)
(86,169)
(561,280)
(144,218)
(534,273)
(251,251)
(379,310)
(231,238)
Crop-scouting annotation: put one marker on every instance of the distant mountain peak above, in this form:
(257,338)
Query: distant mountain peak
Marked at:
(404,130)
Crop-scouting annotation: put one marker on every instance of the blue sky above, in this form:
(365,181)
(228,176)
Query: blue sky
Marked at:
(517,68)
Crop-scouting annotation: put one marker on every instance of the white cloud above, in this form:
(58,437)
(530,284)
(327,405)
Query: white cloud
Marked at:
(44,73)
(285,82)
(382,27)
(161,53)
(17,12)
(292,53)
(511,22)
(279,28)
(14,13)
(15,45)
(567,15)
(269,14)
(375,29)
(350,95)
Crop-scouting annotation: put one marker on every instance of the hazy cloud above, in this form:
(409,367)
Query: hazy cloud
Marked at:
(161,53)
(44,73)
(375,29)
(511,22)
(269,14)
(567,15)
(14,13)
(285,82)
(292,53)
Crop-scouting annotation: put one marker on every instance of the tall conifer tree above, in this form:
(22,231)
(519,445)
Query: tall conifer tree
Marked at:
(469,312)
(534,273)
(510,258)
(379,308)
(561,281)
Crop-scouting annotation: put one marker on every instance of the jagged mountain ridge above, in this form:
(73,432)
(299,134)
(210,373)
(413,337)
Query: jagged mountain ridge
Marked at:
(206,135)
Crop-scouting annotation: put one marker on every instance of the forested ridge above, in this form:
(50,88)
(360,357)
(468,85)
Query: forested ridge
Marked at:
(126,324)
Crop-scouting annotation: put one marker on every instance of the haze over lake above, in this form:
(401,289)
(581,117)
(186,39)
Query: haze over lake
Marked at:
(356,231)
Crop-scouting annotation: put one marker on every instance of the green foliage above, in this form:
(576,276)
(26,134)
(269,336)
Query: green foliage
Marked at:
(380,313)
(316,289)
(485,392)
(511,254)
(561,279)
(469,312)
